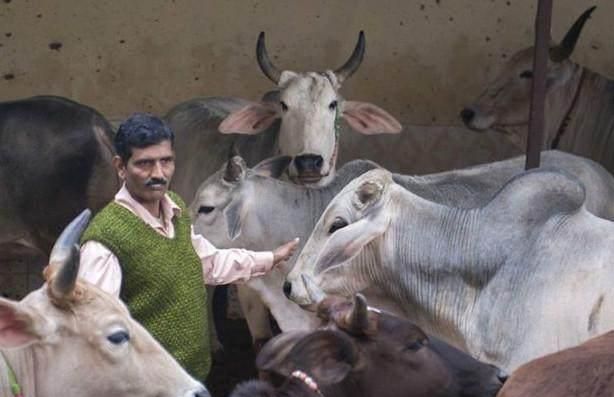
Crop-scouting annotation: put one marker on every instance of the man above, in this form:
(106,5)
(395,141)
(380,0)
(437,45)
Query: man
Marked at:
(142,248)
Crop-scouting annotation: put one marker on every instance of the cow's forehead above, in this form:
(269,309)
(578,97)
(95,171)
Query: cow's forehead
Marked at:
(91,305)
(308,87)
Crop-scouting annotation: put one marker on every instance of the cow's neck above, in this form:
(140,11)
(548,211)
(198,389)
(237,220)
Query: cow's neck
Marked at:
(22,362)
(436,268)
(294,201)
(591,123)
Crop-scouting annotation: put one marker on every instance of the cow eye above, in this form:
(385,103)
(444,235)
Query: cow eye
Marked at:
(338,223)
(333,105)
(205,209)
(527,74)
(415,345)
(119,337)
(284,107)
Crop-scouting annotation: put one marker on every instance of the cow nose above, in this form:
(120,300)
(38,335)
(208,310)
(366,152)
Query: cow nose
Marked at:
(467,115)
(308,163)
(287,288)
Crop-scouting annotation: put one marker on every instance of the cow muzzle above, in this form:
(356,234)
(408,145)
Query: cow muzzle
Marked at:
(308,168)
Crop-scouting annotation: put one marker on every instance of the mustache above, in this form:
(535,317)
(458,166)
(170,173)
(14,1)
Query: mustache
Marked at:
(156,181)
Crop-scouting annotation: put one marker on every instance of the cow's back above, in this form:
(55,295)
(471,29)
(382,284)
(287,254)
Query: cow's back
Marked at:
(55,160)
(584,370)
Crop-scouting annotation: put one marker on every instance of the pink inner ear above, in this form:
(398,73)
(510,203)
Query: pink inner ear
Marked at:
(369,119)
(251,119)
(14,331)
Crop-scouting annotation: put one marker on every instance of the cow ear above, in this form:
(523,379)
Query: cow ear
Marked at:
(251,119)
(17,325)
(369,119)
(274,354)
(326,355)
(273,167)
(235,213)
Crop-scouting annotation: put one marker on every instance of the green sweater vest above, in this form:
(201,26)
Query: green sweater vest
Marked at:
(162,281)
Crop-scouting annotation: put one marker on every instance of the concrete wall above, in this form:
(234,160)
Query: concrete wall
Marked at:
(424,58)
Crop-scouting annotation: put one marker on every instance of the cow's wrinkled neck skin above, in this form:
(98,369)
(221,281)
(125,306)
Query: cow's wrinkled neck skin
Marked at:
(591,123)
(22,361)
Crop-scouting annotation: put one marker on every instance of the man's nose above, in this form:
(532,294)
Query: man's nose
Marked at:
(158,170)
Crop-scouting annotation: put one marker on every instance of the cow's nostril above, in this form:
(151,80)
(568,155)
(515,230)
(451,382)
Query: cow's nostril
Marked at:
(467,115)
(287,288)
(318,162)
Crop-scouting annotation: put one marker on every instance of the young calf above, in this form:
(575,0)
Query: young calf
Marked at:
(71,339)
(365,352)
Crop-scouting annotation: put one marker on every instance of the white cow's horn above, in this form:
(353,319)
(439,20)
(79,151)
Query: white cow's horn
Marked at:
(355,60)
(65,255)
(264,61)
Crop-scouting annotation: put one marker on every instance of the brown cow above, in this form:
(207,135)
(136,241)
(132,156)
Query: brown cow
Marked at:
(582,371)
(579,103)
(365,352)
(71,339)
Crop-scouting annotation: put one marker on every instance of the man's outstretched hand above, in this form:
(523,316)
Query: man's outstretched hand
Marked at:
(284,251)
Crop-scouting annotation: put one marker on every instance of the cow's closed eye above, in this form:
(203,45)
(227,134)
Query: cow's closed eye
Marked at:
(527,74)
(338,223)
(119,337)
(205,209)
(415,345)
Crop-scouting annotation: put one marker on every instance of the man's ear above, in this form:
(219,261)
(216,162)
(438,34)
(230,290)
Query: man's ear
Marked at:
(120,167)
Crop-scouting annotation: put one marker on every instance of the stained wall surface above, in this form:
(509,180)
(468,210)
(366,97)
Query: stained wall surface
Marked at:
(424,58)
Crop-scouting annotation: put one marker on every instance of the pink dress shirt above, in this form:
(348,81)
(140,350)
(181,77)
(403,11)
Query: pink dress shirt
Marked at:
(101,267)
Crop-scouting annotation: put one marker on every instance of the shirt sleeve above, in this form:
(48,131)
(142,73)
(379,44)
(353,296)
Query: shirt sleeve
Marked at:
(225,266)
(99,266)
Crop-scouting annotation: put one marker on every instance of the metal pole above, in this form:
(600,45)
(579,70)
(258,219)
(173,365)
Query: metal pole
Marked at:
(538,87)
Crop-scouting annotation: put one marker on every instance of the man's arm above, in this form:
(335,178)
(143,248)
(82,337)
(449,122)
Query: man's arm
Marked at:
(99,266)
(225,266)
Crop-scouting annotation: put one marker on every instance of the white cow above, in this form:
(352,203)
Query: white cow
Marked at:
(71,339)
(248,207)
(527,273)
(309,107)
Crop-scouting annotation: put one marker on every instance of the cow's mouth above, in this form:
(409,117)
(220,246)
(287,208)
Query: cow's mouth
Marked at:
(307,178)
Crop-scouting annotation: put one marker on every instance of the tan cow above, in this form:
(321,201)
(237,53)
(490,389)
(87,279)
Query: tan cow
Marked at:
(71,339)
(579,103)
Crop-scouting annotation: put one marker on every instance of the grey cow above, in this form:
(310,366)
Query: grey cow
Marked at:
(241,207)
(579,103)
(526,274)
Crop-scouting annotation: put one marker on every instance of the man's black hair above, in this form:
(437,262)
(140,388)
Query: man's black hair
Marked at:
(138,131)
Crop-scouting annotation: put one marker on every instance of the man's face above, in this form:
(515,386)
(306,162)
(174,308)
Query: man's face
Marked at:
(148,172)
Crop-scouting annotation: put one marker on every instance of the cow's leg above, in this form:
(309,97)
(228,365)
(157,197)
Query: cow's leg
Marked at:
(256,314)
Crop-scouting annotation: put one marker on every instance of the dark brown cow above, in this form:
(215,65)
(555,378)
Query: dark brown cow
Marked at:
(55,159)
(365,352)
(581,371)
